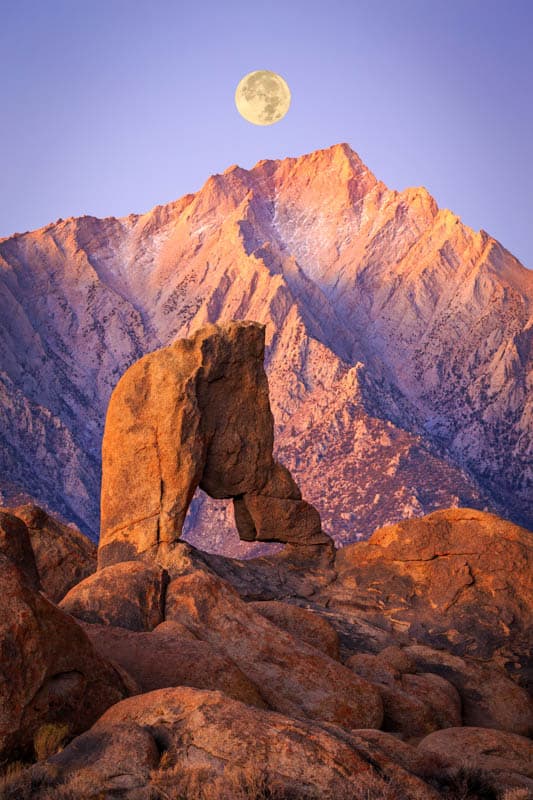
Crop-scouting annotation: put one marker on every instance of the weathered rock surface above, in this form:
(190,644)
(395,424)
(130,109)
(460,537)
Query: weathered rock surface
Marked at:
(207,731)
(293,677)
(175,629)
(118,759)
(15,545)
(295,571)
(413,704)
(49,671)
(505,756)
(489,698)
(64,556)
(196,414)
(458,579)
(301,623)
(129,595)
(165,658)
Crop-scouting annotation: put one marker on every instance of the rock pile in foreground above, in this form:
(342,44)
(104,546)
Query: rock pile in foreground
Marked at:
(212,677)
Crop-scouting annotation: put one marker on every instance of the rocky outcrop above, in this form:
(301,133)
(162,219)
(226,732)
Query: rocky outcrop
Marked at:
(440,578)
(293,677)
(204,730)
(196,414)
(49,672)
(63,555)
(112,761)
(489,697)
(301,623)
(198,744)
(234,695)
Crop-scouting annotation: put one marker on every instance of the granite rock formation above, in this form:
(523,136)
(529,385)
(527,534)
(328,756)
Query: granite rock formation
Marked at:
(203,731)
(262,672)
(506,756)
(294,678)
(443,575)
(301,623)
(196,413)
(414,703)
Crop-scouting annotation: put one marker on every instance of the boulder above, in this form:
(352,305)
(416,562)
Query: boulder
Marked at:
(209,737)
(64,556)
(110,763)
(293,677)
(196,413)
(165,658)
(396,660)
(408,756)
(506,757)
(301,623)
(458,579)
(489,698)
(413,705)
(113,760)
(50,673)
(262,518)
(176,629)
(128,595)
(15,545)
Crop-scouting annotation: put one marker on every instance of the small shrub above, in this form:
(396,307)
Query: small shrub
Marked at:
(49,740)
(464,783)
(516,794)
(14,781)
(23,782)
(234,783)
(251,783)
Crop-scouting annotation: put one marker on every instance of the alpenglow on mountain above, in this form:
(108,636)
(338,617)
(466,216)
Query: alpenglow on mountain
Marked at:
(399,342)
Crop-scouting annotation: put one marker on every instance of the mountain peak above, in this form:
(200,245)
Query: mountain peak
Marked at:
(341,270)
(338,156)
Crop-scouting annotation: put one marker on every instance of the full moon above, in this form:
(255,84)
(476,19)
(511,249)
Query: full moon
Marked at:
(262,97)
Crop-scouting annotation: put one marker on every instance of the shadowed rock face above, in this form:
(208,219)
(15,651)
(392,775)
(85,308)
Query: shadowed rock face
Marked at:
(196,414)
(15,545)
(49,672)
(63,555)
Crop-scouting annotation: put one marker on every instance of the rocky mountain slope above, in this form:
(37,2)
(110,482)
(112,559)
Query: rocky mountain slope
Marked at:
(399,342)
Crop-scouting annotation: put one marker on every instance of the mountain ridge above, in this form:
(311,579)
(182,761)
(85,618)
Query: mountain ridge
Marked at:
(343,271)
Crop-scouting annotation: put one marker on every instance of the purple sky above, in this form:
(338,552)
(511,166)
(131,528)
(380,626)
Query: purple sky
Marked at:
(113,106)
